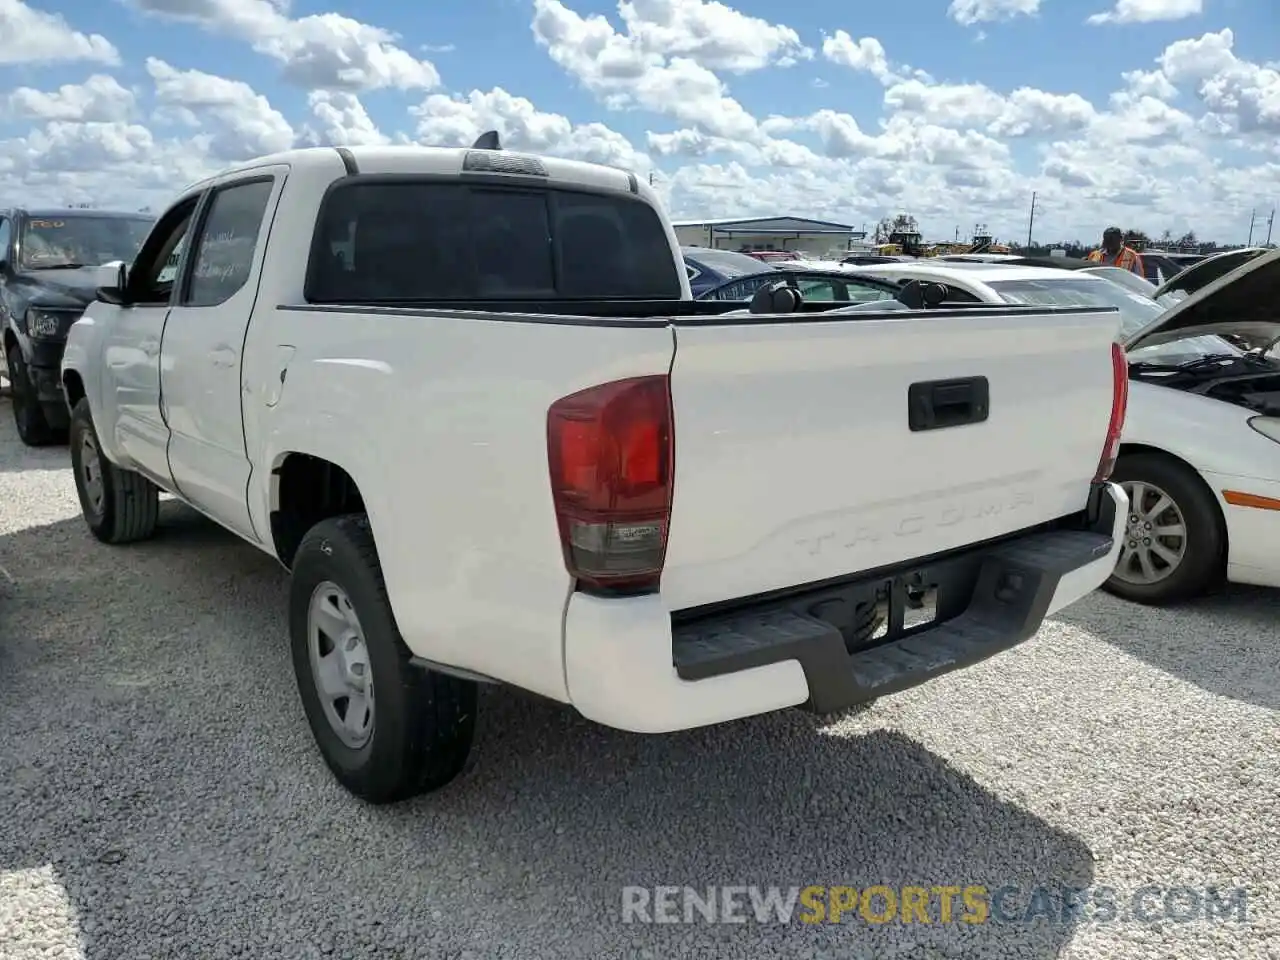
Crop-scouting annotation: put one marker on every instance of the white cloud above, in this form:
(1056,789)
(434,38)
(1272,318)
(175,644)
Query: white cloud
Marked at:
(865,54)
(242,123)
(344,121)
(709,34)
(623,74)
(99,98)
(1150,83)
(1239,95)
(321,51)
(457,121)
(33,36)
(1023,112)
(969,12)
(1148,11)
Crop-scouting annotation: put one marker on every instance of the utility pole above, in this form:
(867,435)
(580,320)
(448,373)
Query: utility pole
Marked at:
(1031,220)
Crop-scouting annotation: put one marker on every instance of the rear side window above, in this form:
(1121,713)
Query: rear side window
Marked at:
(412,241)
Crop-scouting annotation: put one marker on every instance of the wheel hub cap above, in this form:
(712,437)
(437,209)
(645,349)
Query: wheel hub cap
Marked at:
(1155,535)
(91,474)
(340,664)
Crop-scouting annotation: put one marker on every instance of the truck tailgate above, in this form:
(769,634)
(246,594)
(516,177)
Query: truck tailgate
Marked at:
(796,461)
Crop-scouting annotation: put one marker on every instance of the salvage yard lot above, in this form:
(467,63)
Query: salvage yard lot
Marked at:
(160,794)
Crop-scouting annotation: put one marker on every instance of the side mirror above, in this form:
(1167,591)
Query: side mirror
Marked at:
(117,293)
(112,295)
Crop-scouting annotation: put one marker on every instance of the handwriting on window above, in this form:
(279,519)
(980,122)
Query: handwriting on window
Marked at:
(225,257)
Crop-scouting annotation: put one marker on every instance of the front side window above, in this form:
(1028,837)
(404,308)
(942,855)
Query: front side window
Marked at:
(156,265)
(80,240)
(419,241)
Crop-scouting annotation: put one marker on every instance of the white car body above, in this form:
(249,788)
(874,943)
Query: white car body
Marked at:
(441,418)
(985,257)
(1239,464)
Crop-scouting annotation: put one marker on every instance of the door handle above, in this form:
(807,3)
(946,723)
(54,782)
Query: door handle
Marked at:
(938,404)
(223,357)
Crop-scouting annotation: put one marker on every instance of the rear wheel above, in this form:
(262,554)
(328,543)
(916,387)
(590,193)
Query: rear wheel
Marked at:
(28,416)
(1175,538)
(387,729)
(119,506)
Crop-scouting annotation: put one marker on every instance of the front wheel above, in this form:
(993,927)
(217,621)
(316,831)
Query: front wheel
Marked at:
(119,506)
(34,428)
(1175,539)
(387,729)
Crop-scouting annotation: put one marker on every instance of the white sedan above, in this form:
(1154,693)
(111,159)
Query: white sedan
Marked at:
(1200,458)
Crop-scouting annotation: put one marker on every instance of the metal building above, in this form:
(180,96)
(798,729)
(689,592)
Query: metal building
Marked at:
(771,233)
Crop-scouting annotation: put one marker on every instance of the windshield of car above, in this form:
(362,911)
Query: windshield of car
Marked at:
(727,263)
(1186,349)
(71,241)
(1126,278)
(1136,310)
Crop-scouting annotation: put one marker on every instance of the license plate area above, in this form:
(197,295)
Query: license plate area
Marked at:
(885,609)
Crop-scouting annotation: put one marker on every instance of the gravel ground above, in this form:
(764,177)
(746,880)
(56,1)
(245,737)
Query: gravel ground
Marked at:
(161,796)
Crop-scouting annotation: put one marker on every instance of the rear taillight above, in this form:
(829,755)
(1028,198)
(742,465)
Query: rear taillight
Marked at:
(1119,403)
(611,454)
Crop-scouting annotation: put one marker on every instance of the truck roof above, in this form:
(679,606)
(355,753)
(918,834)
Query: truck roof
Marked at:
(414,159)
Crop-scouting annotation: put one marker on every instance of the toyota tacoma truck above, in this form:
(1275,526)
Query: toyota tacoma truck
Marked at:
(465,398)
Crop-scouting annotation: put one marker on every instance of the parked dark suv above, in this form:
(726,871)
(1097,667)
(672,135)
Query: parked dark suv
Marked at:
(48,275)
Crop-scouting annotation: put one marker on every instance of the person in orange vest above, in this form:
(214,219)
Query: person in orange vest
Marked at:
(1114,252)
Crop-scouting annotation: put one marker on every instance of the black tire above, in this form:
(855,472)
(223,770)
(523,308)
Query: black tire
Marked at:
(423,722)
(130,503)
(28,416)
(1203,564)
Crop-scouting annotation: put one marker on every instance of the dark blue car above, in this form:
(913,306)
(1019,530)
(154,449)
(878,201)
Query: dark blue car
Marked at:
(708,268)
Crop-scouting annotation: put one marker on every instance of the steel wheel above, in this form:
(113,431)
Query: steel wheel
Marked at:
(91,479)
(340,664)
(1155,539)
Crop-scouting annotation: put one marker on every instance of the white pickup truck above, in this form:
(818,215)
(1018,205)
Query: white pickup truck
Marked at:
(465,398)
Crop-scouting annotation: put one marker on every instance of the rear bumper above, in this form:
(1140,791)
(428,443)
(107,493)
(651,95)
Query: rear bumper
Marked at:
(628,667)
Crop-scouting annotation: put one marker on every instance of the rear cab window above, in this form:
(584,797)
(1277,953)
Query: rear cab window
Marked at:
(406,240)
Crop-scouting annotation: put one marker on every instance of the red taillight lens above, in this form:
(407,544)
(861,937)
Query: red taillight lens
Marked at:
(610,450)
(1119,404)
